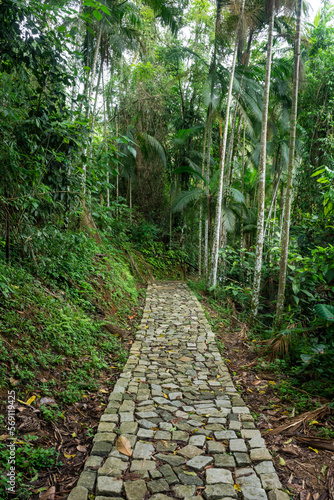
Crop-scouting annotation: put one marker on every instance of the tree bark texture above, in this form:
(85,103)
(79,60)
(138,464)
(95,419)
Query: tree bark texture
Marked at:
(289,188)
(262,174)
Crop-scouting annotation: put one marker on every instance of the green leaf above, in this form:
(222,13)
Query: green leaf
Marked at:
(132,150)
(97,15)
(189,170)
(186,197)
(318,172)
(61,28)
(325,311)
(105,9)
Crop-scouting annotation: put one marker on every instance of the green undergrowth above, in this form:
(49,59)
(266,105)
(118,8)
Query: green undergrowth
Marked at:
(301,386)
(55,318)
(54,341)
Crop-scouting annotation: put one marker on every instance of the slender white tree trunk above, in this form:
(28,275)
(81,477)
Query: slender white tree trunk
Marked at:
(273,201)
(90,89)
(105,137)
(289,188)
(262,174)
(242,207)
(216,237)
(76,61)
(207,192)
(201,207)
(282,207)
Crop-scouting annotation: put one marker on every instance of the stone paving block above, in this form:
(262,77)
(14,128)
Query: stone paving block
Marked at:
(164,446)
(222,435)
(224,461)
(215,447)
(242,459)
(238,445)
(251,493)
(142,465)
(93,461)
(101,448)
(270,481)
(277,495)
(87,480)
(198,440)
(128,428)
(199,463)
(260,454)
(172,460)
(112,467)
(219,492)
(158,486)
(214,476)
(264,468)
(184,491)
(78,493)
(135,490)
(190,451)
(257,442)
(250,433)
(106,437)
(168,474)
(108,486)
(106,417)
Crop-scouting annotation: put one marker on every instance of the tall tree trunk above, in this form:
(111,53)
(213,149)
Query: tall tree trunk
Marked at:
(273,200)
(201,206)
(242,207)
(207,192)
(105,138)
(289,189)
(117,174)
(262,174)
(76,62)
(281,207)
(90,89)
(216,237)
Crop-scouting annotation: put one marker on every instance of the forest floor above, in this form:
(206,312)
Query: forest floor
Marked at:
(45,424)
(305,470)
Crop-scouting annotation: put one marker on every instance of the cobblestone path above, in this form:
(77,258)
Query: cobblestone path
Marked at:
(191,434)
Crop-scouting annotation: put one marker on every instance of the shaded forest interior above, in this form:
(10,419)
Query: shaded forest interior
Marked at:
(154,139)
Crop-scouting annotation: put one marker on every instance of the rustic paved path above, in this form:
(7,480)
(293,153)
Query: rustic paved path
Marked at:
(191,433)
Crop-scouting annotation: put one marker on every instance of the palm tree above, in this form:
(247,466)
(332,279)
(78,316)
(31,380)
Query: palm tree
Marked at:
(289,188)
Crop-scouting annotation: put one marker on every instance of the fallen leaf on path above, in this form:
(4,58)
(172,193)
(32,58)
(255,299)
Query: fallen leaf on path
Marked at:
(123,446)
(82,449)
(28,403)
(50,494)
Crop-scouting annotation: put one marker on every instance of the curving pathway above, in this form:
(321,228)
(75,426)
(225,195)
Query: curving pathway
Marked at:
(191,434)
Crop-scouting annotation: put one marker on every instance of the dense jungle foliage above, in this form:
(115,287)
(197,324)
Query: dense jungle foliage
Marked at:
(196,136)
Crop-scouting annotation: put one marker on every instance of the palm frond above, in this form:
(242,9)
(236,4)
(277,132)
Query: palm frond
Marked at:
(229,219)
(151,145)
(186,197)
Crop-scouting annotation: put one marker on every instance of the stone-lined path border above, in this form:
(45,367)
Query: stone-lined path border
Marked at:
(191,433)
